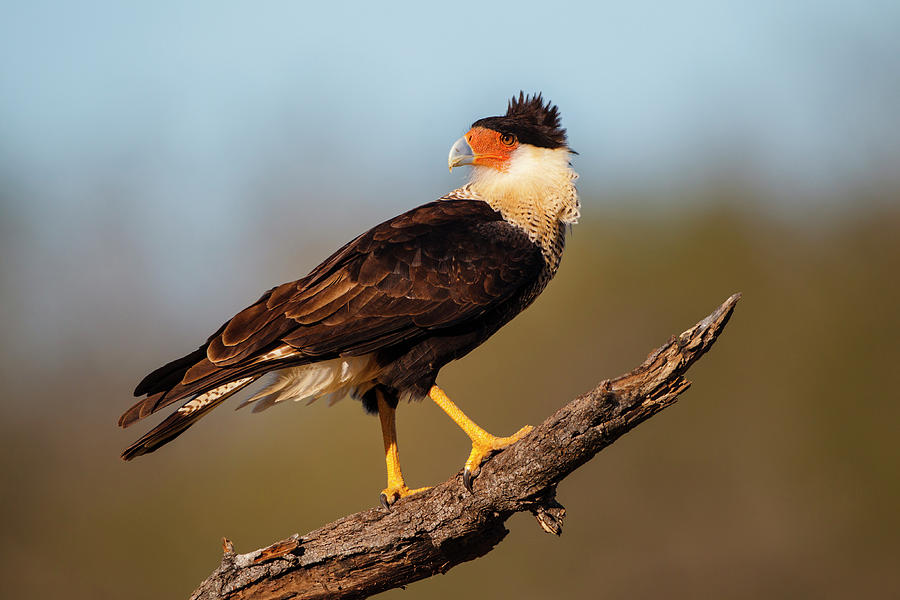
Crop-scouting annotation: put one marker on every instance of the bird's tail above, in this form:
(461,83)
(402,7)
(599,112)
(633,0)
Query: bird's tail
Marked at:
(189,413)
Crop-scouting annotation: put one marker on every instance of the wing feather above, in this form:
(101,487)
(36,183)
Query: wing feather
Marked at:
(432,268)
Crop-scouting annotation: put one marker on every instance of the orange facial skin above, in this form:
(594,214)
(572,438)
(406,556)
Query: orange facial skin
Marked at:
(491,148)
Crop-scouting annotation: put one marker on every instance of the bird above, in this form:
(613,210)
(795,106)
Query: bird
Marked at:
(379,318)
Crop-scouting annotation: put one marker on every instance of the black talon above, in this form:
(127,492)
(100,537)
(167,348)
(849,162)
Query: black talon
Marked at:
(468,478)
(384,502)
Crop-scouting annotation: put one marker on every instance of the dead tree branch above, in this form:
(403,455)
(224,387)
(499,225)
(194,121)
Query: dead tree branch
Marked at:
(431,532)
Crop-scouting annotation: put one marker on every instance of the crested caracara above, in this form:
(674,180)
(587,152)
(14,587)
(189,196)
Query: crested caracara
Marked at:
(379,318)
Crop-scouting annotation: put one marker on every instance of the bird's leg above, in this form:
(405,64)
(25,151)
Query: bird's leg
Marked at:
(483,443)
(396,488)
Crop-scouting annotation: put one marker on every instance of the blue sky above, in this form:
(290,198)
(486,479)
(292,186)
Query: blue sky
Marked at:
(803,92)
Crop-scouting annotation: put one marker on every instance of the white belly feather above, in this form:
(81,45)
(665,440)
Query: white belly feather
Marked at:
(333,378)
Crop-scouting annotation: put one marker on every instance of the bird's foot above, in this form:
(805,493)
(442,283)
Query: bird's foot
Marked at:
(391,494)
(485,445)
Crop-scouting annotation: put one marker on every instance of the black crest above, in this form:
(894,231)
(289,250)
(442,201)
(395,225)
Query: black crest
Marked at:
(530,120)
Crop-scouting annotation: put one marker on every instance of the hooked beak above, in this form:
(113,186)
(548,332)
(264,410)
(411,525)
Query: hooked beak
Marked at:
(461,154)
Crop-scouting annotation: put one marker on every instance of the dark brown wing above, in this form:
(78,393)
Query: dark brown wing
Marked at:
(431,268)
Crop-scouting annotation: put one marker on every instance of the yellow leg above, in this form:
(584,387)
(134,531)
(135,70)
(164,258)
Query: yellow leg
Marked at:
(483,443)
(396,488)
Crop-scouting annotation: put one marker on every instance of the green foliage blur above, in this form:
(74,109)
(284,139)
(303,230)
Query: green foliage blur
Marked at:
(774,476)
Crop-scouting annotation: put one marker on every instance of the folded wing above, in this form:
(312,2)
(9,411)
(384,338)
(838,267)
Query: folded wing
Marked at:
(429,269)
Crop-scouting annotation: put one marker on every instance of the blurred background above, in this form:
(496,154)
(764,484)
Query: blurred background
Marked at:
(161,164)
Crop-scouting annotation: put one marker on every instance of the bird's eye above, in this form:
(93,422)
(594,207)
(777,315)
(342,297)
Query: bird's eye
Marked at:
(507,139)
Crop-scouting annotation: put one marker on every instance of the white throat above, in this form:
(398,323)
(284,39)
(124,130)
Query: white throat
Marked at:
(536,192)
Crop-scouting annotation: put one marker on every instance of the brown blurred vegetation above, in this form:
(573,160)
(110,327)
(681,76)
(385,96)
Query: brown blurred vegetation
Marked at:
(775,476)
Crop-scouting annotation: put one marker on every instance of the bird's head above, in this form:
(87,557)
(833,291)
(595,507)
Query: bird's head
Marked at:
(521,161)
(496,143)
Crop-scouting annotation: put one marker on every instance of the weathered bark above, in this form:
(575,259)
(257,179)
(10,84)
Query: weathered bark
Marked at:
(430,532)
